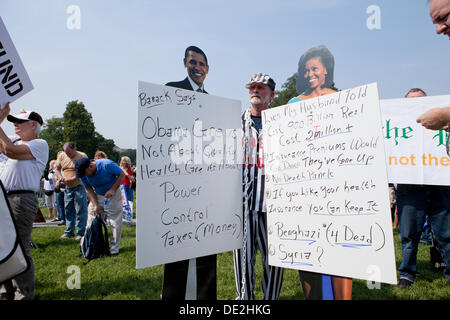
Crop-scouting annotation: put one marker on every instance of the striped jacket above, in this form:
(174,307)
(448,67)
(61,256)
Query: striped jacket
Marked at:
(253,165)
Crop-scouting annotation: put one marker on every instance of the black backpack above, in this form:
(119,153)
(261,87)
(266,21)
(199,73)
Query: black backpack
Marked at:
(95,243)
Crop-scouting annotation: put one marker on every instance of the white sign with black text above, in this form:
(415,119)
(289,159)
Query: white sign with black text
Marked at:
(14,80)
(189,183)
(327,192)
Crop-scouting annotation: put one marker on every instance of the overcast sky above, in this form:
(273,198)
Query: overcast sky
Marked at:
(120,42)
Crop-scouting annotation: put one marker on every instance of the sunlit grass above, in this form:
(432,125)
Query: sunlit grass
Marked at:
(117,277)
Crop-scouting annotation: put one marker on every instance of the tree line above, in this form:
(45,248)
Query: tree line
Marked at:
(77,125)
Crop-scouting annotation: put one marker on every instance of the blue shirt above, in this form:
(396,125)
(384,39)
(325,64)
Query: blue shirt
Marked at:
(105,176)
(294,99)
(257,123)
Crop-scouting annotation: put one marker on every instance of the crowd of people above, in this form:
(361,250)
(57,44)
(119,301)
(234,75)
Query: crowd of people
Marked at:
(54,186)
(78,188)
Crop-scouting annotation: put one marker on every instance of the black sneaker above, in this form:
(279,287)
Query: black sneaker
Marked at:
(404,283)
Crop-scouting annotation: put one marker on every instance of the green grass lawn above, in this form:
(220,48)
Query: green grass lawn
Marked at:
(117,277)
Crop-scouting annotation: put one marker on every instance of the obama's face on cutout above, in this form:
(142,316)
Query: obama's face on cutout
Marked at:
(196,66)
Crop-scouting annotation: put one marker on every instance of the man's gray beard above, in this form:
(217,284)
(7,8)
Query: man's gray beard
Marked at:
(255,100)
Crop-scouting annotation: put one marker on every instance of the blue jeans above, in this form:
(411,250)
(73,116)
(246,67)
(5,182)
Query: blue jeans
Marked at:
(75,201)
(426,236)
(413,201)
(60,205)
(129,193)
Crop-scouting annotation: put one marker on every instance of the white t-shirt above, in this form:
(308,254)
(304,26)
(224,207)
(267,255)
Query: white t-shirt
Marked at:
(26,174)
(50,183)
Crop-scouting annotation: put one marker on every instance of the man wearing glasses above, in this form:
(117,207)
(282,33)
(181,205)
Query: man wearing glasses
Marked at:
(27,157)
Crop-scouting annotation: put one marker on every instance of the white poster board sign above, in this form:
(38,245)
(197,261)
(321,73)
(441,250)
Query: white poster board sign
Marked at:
(14,80)
(414,154)
(189,181)
(327,192)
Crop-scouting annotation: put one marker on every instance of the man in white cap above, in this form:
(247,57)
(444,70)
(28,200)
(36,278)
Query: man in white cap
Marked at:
(27,157)
(261,92)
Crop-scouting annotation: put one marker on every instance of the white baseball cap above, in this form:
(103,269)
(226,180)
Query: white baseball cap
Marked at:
(26,115)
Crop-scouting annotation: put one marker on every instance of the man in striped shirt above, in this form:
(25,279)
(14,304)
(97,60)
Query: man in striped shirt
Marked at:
(261,92)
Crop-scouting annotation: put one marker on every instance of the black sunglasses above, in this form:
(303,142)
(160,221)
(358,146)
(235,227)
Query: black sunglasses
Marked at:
(19,121)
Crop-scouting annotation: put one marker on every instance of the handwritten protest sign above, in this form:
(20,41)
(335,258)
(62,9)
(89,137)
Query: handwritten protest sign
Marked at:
(189,189)
(14,78)
(414,155)
(327,191)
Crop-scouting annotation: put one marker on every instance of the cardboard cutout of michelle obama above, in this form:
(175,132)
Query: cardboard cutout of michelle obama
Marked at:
(316,78)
